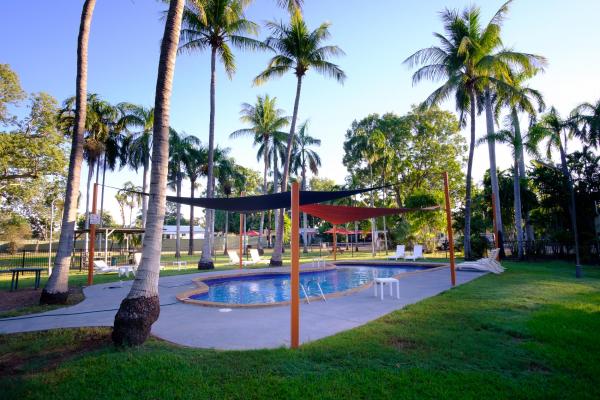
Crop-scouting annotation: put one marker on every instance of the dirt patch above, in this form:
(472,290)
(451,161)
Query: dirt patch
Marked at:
(13,301)
(12,364)
(537,367)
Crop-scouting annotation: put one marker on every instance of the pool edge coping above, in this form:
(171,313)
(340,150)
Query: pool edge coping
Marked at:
(202,287)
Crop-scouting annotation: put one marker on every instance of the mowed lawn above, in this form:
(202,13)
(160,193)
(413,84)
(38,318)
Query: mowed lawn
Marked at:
(533,332)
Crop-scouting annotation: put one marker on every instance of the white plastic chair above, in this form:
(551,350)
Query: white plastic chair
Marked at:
(100,267)
(256,258)
(234,258)
(416,254)
(400,250)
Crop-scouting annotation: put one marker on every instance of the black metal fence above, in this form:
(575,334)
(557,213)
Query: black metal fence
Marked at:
(547,249)
(43,259)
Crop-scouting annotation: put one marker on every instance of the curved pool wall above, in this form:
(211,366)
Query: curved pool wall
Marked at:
(271,288)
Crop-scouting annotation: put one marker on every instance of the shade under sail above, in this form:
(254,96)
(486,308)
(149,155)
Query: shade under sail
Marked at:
(342,214)
(265,202)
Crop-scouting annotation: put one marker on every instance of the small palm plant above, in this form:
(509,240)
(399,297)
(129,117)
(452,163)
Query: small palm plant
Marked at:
(297,50)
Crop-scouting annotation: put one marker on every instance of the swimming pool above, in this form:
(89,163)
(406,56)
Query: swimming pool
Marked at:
(275,288)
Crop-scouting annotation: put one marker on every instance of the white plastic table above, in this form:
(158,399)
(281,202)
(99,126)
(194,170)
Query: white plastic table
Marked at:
(124,270)
(179,264)
(382,282)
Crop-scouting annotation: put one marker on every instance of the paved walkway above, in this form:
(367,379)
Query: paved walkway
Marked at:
(207,327)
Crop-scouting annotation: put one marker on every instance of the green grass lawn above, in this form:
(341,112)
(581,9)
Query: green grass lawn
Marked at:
(532,332)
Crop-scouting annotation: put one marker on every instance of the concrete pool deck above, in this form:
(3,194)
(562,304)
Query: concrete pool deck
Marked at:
(241,328)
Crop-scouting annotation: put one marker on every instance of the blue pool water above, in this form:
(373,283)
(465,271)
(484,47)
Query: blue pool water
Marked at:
(273,288)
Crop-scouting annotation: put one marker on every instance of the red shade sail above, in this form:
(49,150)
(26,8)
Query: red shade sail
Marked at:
(342,214)
(252,233)
(340,231)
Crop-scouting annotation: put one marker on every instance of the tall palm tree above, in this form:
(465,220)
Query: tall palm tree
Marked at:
(194,166)
(298,49)
(216,24)
(368,143)
(56,290)
(137,146)
(266,122)
(520,99)
(587,116)
(518,143)
(140,309)
(472,62)
(179,145)
(304,158)
(556,132)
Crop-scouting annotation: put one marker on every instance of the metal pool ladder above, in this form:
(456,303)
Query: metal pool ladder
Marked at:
(318,286)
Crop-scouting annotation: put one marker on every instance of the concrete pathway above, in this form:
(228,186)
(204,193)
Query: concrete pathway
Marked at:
(254,328)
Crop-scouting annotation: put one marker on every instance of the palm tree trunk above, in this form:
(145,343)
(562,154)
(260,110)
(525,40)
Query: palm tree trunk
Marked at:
(517,206)
(145,179)
(265,188)
(178,218)
(467,231)
(385,236)
(276,257)
(489,117)
(304,216)
(275,189)
(141,308)
(191,240)
(373,227)
(102,192)
(206,261)
(90,177)
(573,210)
(56,290)
(226,245)
(529,235)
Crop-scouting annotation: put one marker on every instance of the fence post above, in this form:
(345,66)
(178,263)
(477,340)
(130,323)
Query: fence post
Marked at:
(23,260)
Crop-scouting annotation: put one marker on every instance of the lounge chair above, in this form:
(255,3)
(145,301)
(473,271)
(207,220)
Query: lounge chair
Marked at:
(256,258)
(416,254)
(234,258)
(100,267)
(125,270)
(399,252)
(488,264)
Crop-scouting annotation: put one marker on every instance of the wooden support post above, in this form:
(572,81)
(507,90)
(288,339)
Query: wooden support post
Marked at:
(295,272)
(449,230)
(92,237)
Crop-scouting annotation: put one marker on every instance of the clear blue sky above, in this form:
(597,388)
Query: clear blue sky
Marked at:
(39,42)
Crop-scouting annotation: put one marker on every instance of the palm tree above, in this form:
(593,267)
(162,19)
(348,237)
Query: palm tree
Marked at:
(518,145)
(368,143)
(141,308)
(215,24)
(194,166)
(520,99)
(298,49)
(587,116)
(266,122)
(556,132)
(137,146)
(56,290)
(470,62)
(179,145)
(304,158)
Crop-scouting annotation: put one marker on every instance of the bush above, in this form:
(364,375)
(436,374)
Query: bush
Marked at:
(479,244)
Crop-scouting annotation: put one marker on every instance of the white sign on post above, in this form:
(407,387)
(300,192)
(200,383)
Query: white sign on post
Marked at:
(94,219)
